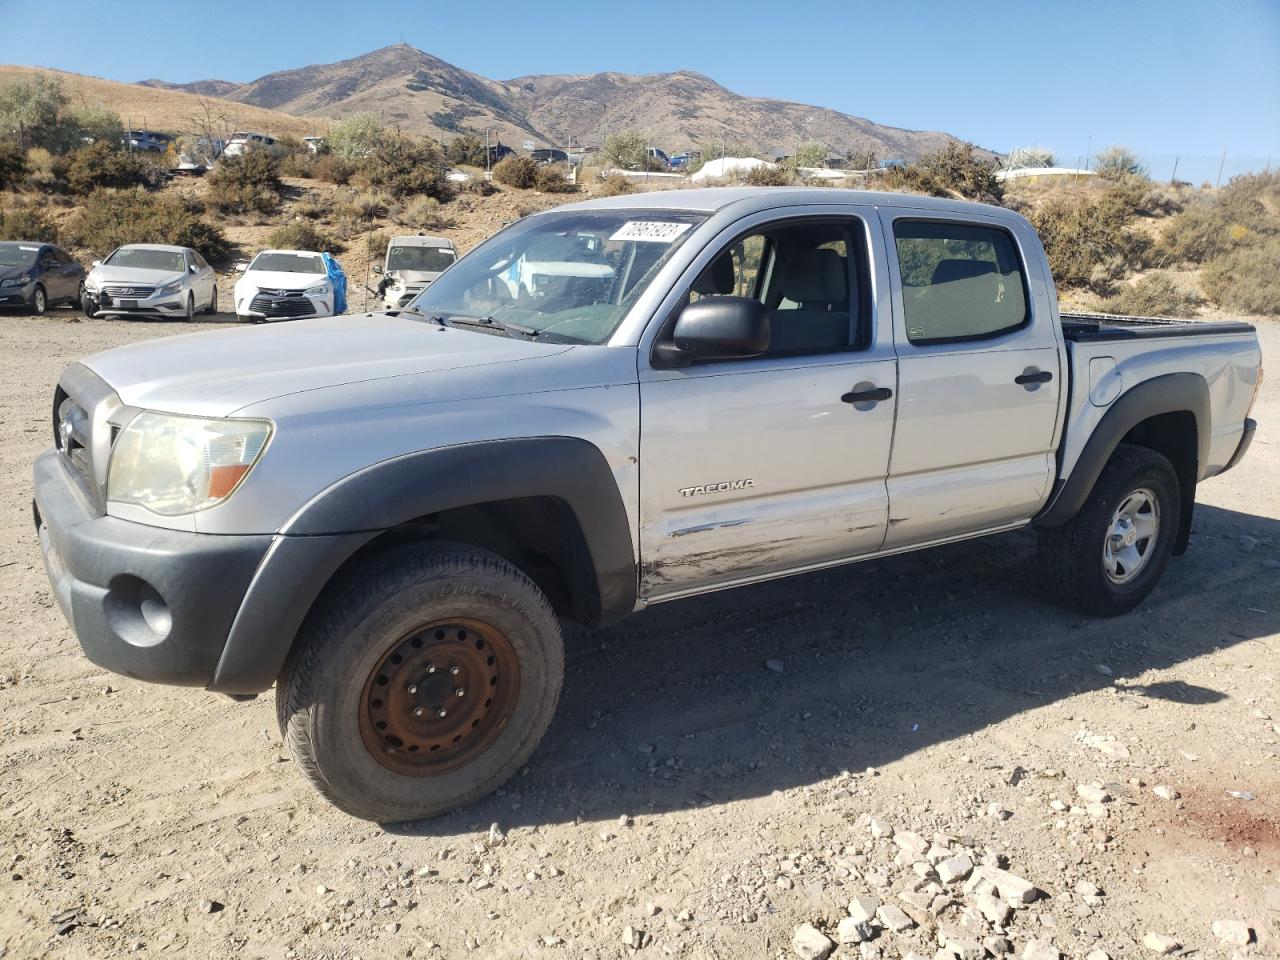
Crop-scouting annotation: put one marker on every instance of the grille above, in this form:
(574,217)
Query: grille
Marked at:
(140,293)
(71,429)
(287,303)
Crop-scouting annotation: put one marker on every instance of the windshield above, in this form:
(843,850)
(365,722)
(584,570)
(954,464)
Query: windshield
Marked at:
(288,262)
(144,259)
(426,259)
(17,255)
(573,275)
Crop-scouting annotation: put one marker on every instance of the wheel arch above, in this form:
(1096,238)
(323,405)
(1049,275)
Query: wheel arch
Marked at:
(1169,414)
(549,505)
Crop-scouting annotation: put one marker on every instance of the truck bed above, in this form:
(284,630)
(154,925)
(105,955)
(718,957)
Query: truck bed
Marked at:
(1103,326)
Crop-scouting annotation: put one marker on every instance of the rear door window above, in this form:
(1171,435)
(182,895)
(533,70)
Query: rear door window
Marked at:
(960,282)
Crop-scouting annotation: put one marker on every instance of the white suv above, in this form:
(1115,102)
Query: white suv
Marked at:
(284,285)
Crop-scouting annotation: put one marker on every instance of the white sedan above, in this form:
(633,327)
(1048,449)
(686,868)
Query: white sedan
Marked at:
(150,280)
(284,285)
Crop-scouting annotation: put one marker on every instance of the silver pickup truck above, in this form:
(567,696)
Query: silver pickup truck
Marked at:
(387,516)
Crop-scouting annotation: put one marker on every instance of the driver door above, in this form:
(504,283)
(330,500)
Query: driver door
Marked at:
(775,463)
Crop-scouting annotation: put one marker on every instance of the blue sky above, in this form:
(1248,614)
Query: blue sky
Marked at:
(1169,78)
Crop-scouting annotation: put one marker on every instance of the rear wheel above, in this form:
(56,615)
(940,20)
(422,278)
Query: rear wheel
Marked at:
(424,683)
(1110,556)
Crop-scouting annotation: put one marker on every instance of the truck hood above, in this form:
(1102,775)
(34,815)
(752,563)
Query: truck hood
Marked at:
(413,278)
(217,373)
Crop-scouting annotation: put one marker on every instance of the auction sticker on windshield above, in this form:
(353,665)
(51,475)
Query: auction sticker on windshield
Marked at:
(650,231)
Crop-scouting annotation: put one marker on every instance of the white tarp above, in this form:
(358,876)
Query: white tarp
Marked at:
(726,167)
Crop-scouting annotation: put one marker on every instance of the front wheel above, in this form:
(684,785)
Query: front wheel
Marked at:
(423,684)
(1109,557)
(39,301)
(213,301)
(191,308)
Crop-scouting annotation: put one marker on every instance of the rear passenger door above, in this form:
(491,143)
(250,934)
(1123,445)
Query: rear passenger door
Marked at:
(777,462)
(978,379)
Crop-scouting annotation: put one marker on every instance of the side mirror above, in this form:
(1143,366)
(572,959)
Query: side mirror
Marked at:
(377,268)
(193,269)
(97,263)
(717,328)
(242,266)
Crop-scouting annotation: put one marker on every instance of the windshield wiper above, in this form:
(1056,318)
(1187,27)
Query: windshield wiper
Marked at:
(493,323)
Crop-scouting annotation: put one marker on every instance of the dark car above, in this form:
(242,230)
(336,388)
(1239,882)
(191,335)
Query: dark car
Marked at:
(550,155)
(37,276)
(150,140)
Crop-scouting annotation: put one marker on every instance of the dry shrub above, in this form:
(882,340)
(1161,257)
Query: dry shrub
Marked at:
(768,176)
(954,171)
(478,186)
(26,221)
(424,213)
(108,219)
(366,205)
(246,183)
(519,172)
(551,179)
(404,166)
(1087,236)
(1155,295)
(616,185)
(303,236)
(13,166)
(103,164)
(46,172)
(1247,279)
(332,169)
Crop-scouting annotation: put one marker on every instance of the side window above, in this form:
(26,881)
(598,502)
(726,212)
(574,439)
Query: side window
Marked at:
(959,281)
(810,277)
(198,260)
(48,260)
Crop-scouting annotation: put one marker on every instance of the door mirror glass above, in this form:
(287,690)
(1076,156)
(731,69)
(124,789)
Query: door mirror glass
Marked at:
(721,328)
(377,268)
(242,266)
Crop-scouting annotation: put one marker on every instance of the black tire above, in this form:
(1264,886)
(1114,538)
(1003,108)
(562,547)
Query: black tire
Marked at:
(243,318)
(39,301)
(1073,556)
(86,305)
(213,301)
(322,698)
(191,308)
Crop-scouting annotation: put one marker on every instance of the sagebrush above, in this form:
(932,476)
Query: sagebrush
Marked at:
(108,219)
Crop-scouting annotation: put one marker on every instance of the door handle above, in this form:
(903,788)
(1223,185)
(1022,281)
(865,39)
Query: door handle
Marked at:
(1033,376)
(872,395)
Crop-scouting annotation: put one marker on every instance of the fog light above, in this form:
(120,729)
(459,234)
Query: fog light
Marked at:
(136,612)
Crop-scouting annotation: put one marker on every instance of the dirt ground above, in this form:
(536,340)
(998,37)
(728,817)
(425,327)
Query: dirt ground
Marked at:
(710,781)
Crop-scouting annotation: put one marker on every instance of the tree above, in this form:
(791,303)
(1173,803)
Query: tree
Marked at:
(29,110)
(1119,163)
(628,150)
(356,137)
(861,159)
(403,166)
(1030,157)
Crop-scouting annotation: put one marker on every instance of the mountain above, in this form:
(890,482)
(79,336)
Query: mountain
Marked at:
(421,93)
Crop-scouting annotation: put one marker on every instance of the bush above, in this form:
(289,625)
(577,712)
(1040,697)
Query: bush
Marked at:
(424,213)
(404,166)
(332,169)
(246,183)
(768,176)
(467,149)
(478,186)
(366,205)
(1119,163)
(953,171)
(104,164)
(1198,234)
(1155,295)
(551,179)
(13,166)
(514,171)
(375,245)
(615,185)
(24,221)
(1247,279)
(812,153)
(303,236)
(628,150)
(45,171)
(1087,238)
(108,219)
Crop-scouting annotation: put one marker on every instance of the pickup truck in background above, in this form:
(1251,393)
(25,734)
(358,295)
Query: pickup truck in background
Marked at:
(388,516)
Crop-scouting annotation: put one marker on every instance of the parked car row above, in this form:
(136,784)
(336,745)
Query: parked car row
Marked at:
(153,280)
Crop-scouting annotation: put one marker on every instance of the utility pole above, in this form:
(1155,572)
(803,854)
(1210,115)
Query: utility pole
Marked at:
(1221,163)
(1173,177)
(1088,150)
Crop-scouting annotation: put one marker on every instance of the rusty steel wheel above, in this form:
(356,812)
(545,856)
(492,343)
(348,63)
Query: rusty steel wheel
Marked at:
(439,697)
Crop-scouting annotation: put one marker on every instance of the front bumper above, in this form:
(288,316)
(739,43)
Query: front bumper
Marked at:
(17,296)
(254,303)
(156,305)
(145,602)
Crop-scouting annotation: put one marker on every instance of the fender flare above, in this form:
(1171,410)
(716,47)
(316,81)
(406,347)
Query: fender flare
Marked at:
(1170,393)
(330,528)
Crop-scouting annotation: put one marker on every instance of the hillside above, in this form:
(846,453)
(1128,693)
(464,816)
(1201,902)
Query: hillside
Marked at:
(172,110)
(423,94)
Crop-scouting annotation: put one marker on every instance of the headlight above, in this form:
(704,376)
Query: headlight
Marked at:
(90,284)
(168,288)
(319,290)
(174,465)
(16,281)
